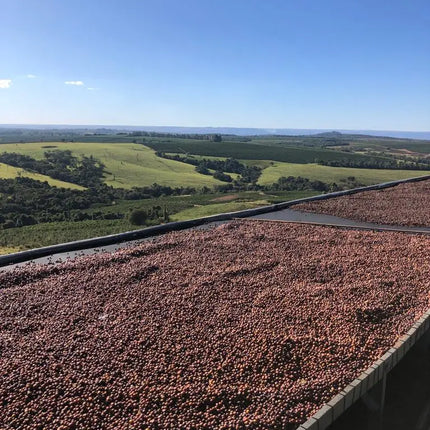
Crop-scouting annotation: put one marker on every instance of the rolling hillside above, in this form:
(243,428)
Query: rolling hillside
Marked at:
(8,172)
(127,164)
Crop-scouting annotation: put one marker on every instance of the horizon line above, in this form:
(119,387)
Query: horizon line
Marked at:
(208,126)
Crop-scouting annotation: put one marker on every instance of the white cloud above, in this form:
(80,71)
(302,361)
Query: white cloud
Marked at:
(77,83)
(92,89)
(30,76)
(5,83)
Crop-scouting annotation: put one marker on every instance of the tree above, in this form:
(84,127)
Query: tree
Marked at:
(138,217)
(215,138)
(221,176)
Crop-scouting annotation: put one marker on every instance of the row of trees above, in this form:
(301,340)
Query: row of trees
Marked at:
(290,183)
(379,163)
(213,137)
(218,168)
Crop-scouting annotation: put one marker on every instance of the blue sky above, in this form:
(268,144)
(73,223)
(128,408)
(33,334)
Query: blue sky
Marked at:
(350,64)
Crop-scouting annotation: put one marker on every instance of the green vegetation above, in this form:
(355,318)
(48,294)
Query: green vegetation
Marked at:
(334,174)
(57,190)
(398,163)
(24,201)
(36,236)
(218,166)
(181,207)
(62,165)
(216,208)
(126,165)
(252,151)
(9,249)
(10,172)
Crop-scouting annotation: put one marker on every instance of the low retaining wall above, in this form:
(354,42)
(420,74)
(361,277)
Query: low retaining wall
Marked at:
(96,242)
(368,379)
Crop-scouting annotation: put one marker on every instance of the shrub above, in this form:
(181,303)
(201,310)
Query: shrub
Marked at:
(138,217)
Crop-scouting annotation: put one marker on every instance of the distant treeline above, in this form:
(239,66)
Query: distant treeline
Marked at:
(379,163)
(215,137)
(291,183)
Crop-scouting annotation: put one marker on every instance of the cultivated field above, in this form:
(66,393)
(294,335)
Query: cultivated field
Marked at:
(406,204)
(129,164)
(249,325)
(261,150)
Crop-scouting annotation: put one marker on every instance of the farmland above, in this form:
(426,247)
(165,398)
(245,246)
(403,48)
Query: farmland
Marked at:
(334,174)
(126,161)
(133,165)
(252,151)
(127,165)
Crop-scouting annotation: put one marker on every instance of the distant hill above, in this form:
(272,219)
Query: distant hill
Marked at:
(226,130)
(329,134)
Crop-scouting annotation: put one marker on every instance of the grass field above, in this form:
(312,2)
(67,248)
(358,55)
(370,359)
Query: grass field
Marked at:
(334,174)
(127,164)
(216,208)
(197,205)
(9,249)
(9,172)
(36,236)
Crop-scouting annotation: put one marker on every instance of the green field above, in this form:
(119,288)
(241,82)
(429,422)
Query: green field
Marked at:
(252,151)
(127,164)
(36,236)
(273,170)
(9,249)
(216,208)
(334,174)
(9,172)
